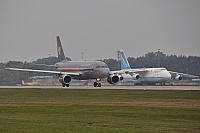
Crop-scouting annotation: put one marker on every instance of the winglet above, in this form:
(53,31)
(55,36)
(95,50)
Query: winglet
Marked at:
(123,60)
(61,55)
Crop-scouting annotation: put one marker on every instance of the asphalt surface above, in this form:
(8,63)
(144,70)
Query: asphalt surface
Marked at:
(112,87)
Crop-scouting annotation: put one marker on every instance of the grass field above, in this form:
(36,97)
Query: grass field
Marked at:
(117,111)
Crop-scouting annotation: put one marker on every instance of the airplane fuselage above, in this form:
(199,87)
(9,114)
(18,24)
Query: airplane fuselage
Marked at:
(151,76)
(86,69)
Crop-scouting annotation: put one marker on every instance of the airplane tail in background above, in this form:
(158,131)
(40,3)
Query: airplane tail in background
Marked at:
(61,55)
(123,60)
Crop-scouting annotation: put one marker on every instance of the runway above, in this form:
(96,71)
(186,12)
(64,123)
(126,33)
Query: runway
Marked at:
(112,87)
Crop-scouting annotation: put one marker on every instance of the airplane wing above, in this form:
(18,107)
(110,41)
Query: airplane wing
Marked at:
(128,71)
(44,71)
(182,74)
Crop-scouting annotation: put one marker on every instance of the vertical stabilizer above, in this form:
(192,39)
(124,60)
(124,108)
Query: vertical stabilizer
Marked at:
(61,55)
(123,60)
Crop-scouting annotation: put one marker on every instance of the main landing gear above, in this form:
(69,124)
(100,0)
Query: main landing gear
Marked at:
(63,85)
(97,83)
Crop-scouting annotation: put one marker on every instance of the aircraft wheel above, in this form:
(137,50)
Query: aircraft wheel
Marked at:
(95,84)
(99,85)
(67,85)
(63,85)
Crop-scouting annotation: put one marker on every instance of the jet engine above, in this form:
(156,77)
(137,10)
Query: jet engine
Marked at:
(65,79)
(135,76)
(178,77)
(112,79)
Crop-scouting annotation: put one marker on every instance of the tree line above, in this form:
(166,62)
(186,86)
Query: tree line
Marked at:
(183,64)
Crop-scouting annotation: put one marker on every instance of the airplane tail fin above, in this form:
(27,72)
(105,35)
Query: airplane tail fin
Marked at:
(61,55)
(123,60)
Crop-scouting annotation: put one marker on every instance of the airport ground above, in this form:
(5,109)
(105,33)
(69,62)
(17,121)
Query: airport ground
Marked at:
(129,87)
(110,109)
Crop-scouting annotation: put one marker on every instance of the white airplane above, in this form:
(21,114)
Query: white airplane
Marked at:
(145,75)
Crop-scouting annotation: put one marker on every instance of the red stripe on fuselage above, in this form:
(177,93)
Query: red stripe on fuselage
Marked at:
(73,69)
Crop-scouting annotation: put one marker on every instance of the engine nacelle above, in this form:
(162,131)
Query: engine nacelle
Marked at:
(178,77)
(65,79)
(112,79)
(135,76)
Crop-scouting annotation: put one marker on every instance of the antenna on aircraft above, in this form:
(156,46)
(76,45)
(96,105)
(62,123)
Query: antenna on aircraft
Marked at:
(118,59)
(82,56)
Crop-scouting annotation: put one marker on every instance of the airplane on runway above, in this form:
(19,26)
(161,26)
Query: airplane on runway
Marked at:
(147,75)
(80,70)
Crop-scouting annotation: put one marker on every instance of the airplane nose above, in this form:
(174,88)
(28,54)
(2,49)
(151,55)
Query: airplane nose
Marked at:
(107,72)
(169,76)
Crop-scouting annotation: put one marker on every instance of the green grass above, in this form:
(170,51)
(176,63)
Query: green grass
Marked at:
(117,111)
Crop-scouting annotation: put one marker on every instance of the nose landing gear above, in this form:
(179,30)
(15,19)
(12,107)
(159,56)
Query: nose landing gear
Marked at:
(97,83)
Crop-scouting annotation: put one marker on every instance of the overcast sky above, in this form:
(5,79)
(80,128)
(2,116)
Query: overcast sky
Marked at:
(98,28)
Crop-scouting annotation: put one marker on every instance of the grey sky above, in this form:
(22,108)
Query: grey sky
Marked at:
(98,28)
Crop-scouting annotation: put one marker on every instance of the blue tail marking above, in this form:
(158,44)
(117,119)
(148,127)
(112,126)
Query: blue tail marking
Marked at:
(123,61)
